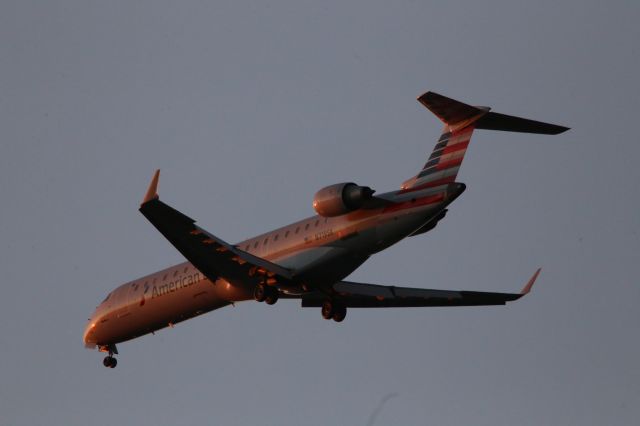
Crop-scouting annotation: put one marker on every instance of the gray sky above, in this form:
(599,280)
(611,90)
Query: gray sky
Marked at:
(248,109)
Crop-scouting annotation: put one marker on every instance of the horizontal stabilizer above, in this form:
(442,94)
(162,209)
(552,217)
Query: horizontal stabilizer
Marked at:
(509,123)
(457,114)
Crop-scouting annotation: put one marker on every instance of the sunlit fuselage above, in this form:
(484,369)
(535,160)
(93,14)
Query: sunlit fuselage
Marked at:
(320,250)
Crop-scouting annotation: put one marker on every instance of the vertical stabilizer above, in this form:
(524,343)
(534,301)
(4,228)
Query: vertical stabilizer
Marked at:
(446,158)
(460,120)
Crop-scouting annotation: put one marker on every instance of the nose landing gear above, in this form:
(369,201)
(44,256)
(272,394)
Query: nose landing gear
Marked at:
(109,361)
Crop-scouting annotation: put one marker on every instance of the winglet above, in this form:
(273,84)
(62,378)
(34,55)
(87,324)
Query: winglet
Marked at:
(527,288)
(152,191)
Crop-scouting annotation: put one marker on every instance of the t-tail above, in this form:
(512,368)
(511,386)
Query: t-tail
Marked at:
(460,120)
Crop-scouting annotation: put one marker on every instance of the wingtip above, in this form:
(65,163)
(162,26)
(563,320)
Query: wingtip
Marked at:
(560,129)
(152,191)
(527,288)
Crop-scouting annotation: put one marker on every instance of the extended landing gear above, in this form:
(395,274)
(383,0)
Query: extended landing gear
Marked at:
(109,361)
(263,293)
(333,310)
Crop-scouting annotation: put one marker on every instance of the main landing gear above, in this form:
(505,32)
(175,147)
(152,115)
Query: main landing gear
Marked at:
(109,361)
(264,293)
(333,310)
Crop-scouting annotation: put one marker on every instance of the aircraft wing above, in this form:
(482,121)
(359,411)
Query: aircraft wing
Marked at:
(210,254)
(361,295)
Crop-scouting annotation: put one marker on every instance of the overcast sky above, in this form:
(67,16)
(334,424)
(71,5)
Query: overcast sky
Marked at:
(249,108)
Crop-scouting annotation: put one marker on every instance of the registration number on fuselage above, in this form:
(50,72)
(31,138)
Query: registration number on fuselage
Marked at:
(323,234)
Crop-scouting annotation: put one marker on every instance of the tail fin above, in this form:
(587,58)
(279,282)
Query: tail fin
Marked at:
(460,120)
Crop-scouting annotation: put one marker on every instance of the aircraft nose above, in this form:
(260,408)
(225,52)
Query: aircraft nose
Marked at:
(88,337)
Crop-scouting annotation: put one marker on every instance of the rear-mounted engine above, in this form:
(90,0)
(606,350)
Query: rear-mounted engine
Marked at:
(341,198)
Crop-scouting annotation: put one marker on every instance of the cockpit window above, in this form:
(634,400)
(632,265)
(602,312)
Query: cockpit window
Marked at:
(106,298)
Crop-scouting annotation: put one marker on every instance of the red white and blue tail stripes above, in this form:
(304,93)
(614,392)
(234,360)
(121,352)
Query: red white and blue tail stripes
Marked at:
(460,121)
(444,162)
(445,159)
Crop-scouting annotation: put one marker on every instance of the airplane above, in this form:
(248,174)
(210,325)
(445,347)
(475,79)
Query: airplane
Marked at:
(307,260)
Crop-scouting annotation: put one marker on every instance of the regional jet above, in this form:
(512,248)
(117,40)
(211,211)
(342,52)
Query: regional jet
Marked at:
(309,259)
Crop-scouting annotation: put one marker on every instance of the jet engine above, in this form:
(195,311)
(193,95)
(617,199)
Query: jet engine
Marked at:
(341,198)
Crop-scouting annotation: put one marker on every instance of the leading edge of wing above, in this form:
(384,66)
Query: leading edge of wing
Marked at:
(363,295)
(211,255)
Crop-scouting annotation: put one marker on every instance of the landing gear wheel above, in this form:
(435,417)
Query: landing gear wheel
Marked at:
(340,312)
(272,296)
(109,362)
(260,293)
(327,309)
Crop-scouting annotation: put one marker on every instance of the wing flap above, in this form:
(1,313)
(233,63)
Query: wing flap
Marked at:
(347,288)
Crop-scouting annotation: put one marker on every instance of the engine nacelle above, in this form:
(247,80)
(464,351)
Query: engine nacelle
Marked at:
(341,198)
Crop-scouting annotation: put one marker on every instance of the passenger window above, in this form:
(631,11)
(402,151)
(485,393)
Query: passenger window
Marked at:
(175,274)
(317,222)
(186,268)
(275,238)
(266,240)
(255,245)
(286,234)
(164,278)
(306,227)
(297,229)
(246,248)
